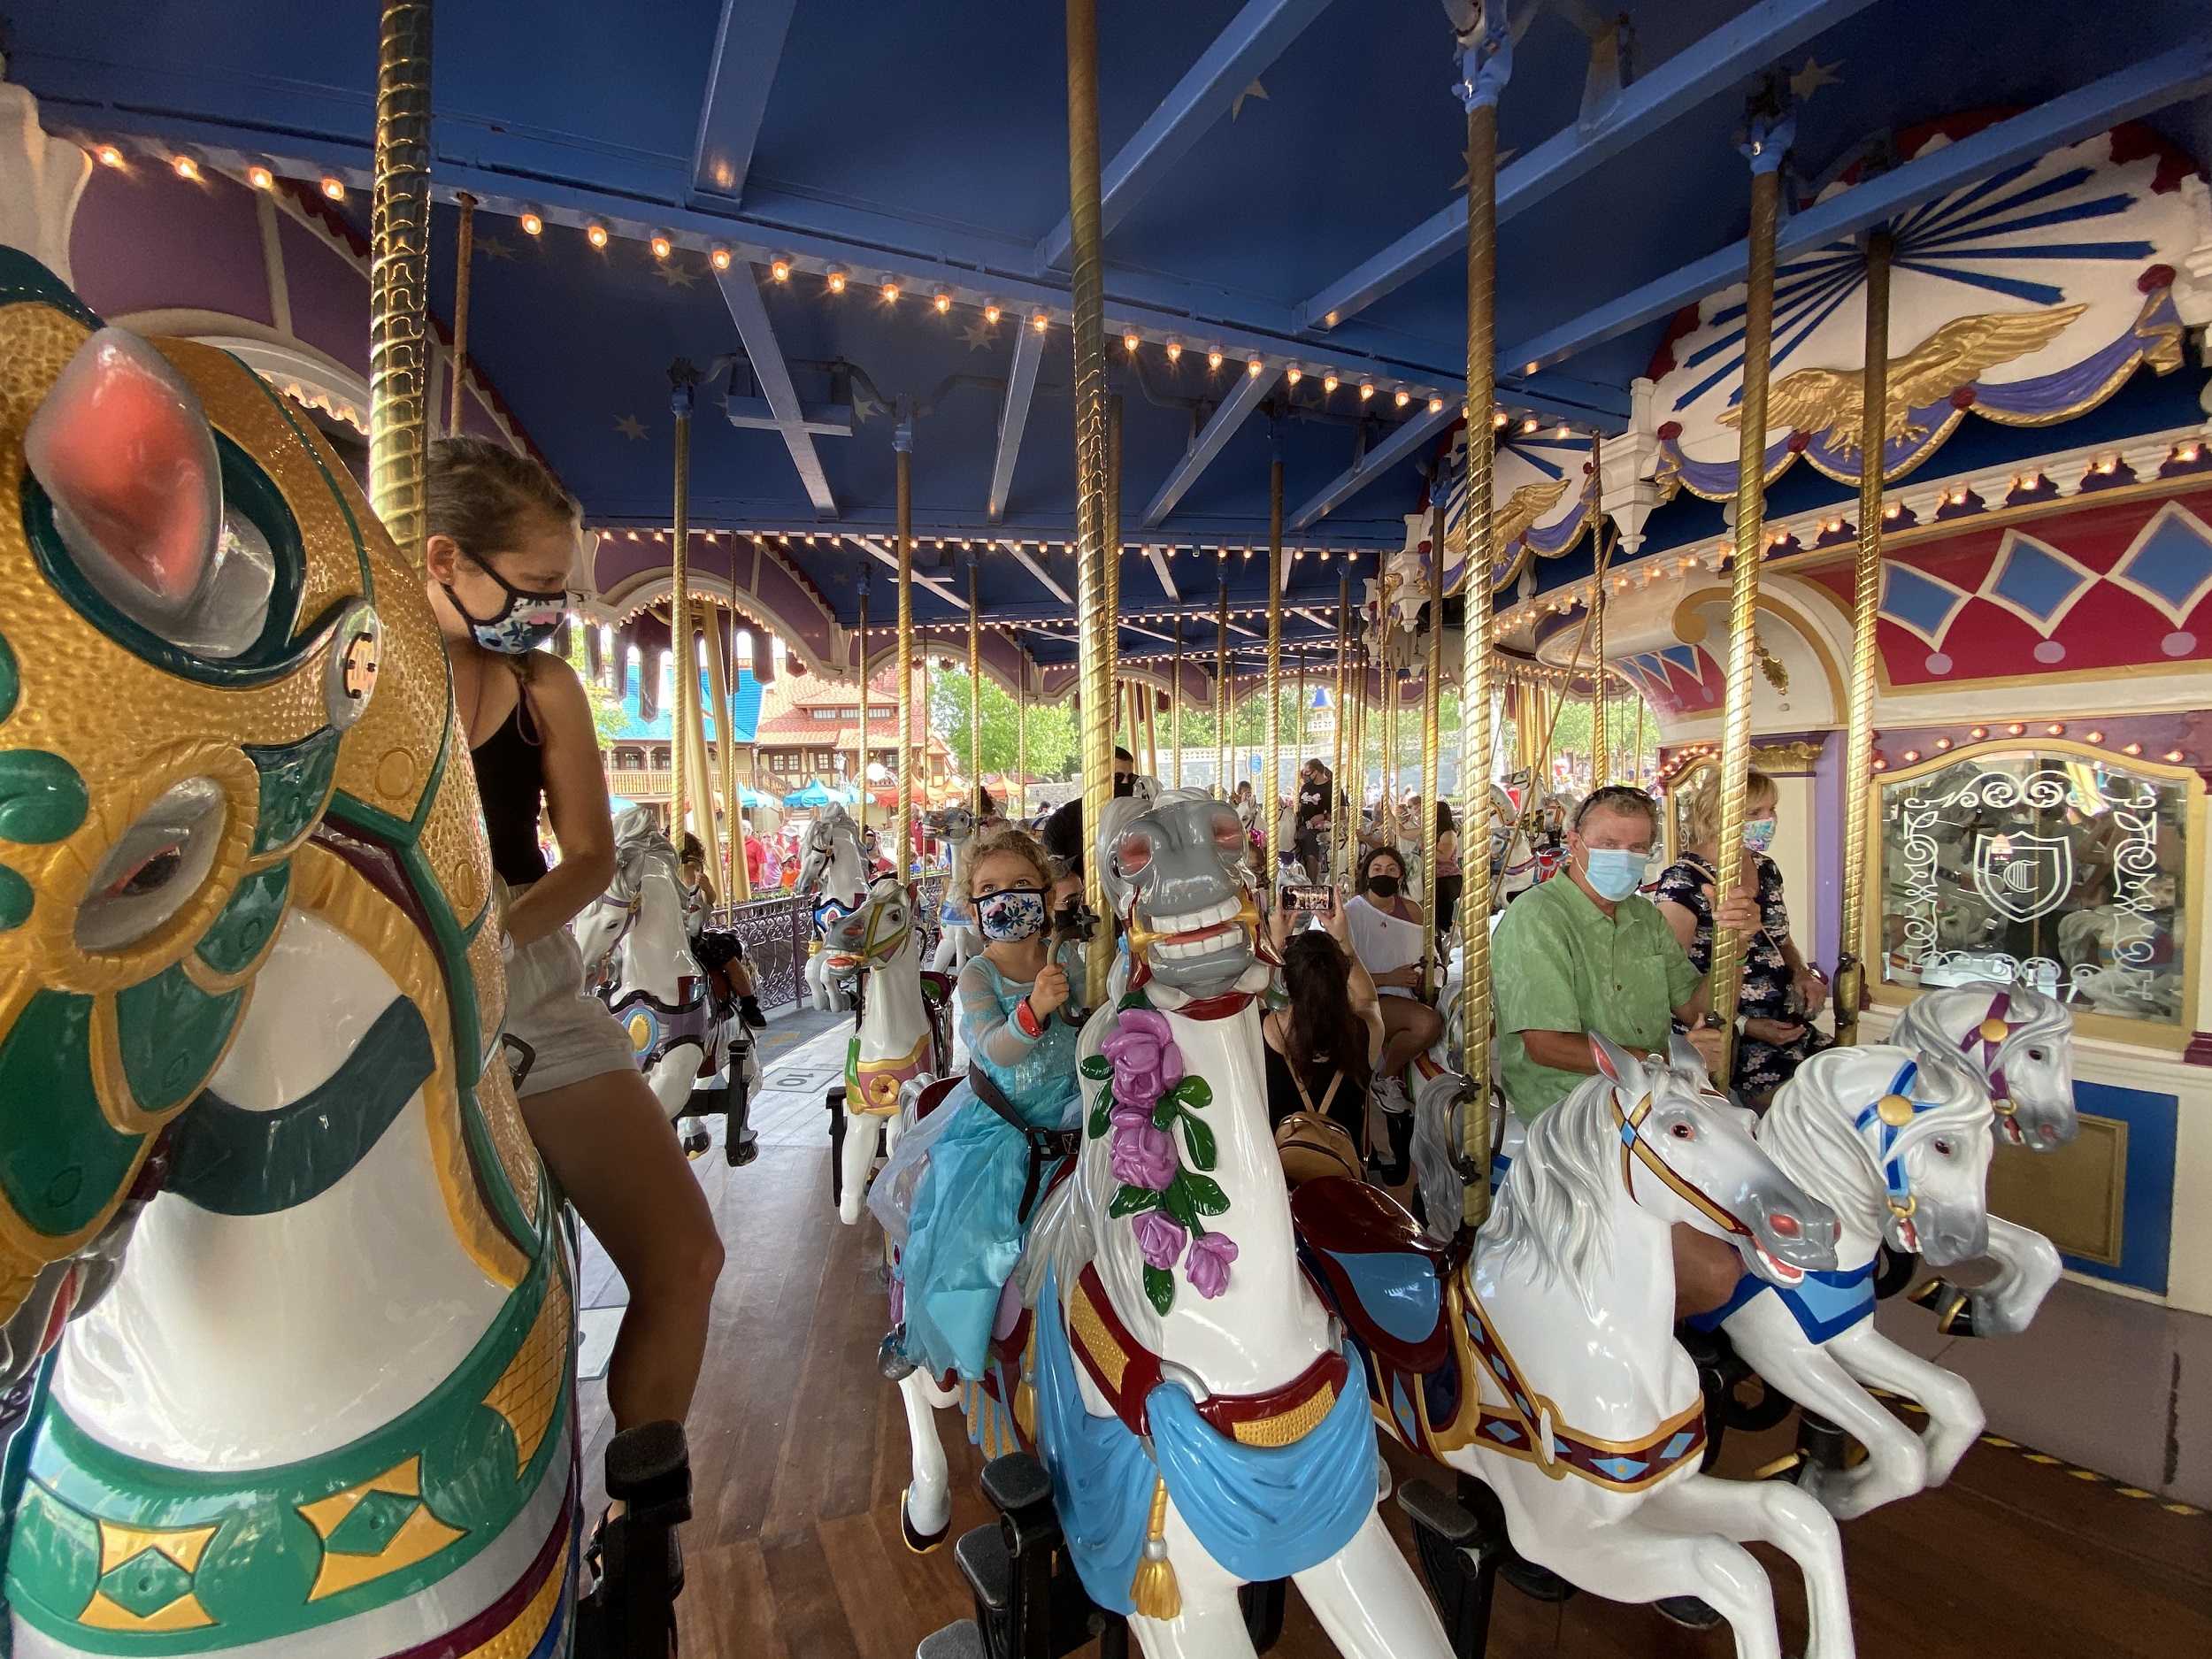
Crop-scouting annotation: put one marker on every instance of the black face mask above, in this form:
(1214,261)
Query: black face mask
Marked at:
(1383,886)
(1124,784)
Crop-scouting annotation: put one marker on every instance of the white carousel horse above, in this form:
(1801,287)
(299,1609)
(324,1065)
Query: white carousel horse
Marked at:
(836,874)
(1170,1302)
(1547,1364)
(958,940)
(2020,1044)
(323,1403)
(1902,1155)
(1512,852)
(895,1043)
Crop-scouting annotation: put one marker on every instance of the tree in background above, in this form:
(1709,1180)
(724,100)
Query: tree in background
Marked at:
(608,716)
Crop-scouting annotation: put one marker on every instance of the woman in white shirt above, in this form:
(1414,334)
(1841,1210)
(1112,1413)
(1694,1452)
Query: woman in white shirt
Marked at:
(1389,933)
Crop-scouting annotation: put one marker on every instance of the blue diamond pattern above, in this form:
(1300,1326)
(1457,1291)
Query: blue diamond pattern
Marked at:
(1620,1468)
(2174,563)
(1682,1441)
(2033,579)
(1505,1432)
(1921,601)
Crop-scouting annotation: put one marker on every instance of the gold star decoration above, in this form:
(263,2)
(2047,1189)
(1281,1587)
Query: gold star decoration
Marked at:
(674,272)
(1254,90)
(492,248)
(978,334)
(1814,76)
(1467,161)
(631,428)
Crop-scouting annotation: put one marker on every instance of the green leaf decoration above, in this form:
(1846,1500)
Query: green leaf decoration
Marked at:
(1159,1289)
(1193,1092)
(1133,1199)
(1199,1140)
(1164,1111)
(1180,1202)
(1097,1067)
(1206,1195)
(1102,1113)
(1133,999)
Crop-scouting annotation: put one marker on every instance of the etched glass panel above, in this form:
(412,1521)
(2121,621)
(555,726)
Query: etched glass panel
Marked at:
(2064,872)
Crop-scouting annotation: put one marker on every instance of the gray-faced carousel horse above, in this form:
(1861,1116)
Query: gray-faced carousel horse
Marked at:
(287,1300)
(836,873)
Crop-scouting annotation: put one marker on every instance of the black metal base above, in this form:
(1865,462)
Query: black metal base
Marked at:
(1461,1540)
(632,1612)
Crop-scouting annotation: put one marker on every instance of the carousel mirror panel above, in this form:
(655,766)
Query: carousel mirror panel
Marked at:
(2060,869)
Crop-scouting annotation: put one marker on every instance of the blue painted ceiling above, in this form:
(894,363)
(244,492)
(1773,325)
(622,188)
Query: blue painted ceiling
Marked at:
(935,139)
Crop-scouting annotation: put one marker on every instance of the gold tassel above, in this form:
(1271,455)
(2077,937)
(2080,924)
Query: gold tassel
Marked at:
(1154,1589)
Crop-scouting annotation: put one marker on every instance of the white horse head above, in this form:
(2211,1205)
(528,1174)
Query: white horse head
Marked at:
(1685,1154)
(1174,873)
(874,932)
(833,866)
(1902,1152)
(2019,1042)
(637,953)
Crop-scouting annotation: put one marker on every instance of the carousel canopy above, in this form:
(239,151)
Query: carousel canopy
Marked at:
(846,218)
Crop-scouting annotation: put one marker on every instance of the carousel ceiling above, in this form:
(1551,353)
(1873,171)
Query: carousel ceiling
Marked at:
(844,211)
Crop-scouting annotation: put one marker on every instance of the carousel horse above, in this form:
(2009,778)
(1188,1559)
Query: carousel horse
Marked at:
(1537,1355)
(2019,1044)
(898,1039)
(958,940)
(287,1295)
(1190,1399)
(836,874)
(638,958)
(1512,851)
(1901,1149)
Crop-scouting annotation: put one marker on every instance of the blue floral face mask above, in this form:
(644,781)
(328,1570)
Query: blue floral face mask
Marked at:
(526,621)
(1010,917)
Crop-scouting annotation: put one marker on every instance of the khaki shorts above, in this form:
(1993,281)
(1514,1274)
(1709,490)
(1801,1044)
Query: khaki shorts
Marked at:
(571,1033)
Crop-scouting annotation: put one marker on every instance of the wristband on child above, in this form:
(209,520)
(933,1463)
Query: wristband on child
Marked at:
(1026,1018)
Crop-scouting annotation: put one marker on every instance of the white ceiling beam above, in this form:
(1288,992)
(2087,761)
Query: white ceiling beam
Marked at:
(1226,419)
(1013,416)
(741,292)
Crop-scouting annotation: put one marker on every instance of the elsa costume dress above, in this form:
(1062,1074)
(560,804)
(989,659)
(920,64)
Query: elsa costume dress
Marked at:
(951,1194)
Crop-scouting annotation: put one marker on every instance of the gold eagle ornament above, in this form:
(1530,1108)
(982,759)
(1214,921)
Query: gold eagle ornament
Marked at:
(1509,522)
(1963,349)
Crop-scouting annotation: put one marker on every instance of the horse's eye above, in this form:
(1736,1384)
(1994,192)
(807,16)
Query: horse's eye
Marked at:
(1942,1147)
(2035,1054)
(1682,1132)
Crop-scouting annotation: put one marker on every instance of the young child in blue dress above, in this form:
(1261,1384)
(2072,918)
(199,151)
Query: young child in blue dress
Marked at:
(964,1234)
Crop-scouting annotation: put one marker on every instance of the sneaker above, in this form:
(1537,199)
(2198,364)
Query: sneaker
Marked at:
(1390,1095)
(748,1010)
(1530,1580)
(1687,1611)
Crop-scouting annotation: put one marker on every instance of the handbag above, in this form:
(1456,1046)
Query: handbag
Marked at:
(1311,1144)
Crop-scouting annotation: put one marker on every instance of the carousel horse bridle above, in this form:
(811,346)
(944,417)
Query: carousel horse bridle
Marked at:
(1636,1147)
(1993,1032)
(875,947)
(1895,1110)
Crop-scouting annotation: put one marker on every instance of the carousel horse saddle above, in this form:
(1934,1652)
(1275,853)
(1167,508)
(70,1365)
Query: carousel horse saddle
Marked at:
(1380,1271)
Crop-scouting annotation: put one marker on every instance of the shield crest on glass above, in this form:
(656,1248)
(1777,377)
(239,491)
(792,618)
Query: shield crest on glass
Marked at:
(2023,876)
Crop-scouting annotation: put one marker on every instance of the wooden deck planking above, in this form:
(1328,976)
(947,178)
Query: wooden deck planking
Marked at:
(800,1458)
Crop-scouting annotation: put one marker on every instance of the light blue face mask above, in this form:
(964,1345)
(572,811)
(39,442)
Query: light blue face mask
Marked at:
(1615,871)
(1758,835)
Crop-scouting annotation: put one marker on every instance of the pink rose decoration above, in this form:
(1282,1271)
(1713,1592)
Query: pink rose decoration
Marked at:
(1147,1063)
(1143,1156)
(1160,1239)
(1209,1263)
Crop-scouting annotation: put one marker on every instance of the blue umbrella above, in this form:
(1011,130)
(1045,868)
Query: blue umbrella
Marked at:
(813,795)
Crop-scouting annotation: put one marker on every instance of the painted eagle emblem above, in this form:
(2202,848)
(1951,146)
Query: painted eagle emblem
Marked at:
(1963,349)
(1509,522)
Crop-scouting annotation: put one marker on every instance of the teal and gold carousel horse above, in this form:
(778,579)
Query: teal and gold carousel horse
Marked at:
(250,1001)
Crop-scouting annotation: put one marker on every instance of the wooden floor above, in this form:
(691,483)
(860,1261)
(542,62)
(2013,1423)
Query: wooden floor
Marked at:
(799,1453)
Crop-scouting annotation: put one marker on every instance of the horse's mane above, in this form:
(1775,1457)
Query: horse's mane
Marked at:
(1552,1214)
(637,840)
(1813,1134)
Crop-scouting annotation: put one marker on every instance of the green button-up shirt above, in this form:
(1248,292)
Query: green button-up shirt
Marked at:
(1561,963)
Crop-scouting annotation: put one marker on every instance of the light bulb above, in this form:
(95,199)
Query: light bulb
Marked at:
(1129,341)
(334,189)
(532,223)
(1498,419)
(1213,358)
(187,168)
(109,157)
(1294,374)
(595,234)
(720,258)
(837,281)
(1529,425)
(890,291)
(1436,405)
(779,270)
(1403,397)
(1366,390)
(1561,433)
(1175,349)
(1328,382)
(261,178)
(1040,322)
(1253,368)
(941,303)
(991,315)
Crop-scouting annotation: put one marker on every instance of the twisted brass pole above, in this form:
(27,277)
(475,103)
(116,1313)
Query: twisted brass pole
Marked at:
(1341,718)
(902,819)
(1221,698)
(1175,703)
(1601,755)
(975,693)
(1270,817)
(862,736)
(685,688)
(739,885)
(399,270)
(1096,627)
(1433,968)
(463,259)
(1866,600)
(1021,715)
(1487,61)
(1743,598)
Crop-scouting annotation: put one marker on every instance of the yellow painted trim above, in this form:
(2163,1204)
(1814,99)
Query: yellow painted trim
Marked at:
(2138,1032)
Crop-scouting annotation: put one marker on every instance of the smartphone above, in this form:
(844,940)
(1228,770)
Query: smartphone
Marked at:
(1307,901)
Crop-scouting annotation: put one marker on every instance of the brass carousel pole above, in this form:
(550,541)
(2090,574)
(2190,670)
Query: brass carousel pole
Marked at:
(1433,968)
(1858,741)
(1770,141)
(739,885)
(975,693)
(1221,699)
(1487,61)
(399,266)
(861,737)
(1271,816)
(1096,627)
(462,258)
(1298,741)
(903,816)
(1341,719)
(1175,704)
(1600,754)
(1021,717)
(682,381)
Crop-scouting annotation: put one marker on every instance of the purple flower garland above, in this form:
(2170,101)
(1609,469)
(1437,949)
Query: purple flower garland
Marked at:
(1146,1092)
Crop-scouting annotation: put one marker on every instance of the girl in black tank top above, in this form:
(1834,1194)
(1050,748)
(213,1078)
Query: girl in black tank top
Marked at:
(510,781)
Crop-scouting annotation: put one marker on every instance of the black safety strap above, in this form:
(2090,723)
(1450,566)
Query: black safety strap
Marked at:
(1044,1144)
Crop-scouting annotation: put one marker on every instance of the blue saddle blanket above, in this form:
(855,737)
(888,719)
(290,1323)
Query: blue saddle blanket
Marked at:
(1825,1305)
